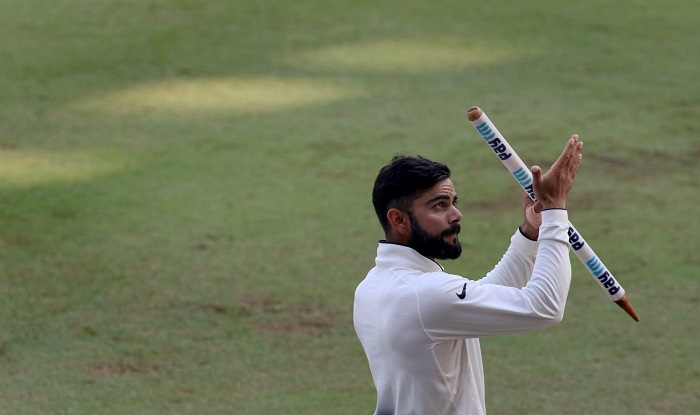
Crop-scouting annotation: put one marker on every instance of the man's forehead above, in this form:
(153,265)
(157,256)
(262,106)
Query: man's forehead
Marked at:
(444,187)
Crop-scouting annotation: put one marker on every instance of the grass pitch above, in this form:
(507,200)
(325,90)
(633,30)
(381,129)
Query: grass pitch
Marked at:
(186,185)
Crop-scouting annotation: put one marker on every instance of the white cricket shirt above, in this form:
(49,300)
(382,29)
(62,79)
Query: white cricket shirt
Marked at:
(420,326)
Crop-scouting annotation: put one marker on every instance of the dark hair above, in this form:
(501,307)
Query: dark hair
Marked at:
(403,180)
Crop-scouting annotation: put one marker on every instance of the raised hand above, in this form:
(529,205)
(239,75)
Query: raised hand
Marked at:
(552,188)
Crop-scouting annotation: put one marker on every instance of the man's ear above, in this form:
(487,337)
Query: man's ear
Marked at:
(400,223)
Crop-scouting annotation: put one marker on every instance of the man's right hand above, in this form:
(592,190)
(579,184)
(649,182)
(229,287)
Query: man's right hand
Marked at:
(553,187)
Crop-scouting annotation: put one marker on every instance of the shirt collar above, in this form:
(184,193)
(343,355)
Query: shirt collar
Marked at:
(393,255)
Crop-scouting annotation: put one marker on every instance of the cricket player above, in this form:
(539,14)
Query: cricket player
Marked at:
(419,325)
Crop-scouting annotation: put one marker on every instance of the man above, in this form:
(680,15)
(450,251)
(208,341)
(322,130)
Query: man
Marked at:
(420,326)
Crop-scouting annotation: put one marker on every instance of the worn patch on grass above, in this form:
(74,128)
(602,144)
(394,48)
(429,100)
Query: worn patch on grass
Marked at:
(232,95)
(639,164)
(408,56)
(20,168)
(118,367)
(312,318)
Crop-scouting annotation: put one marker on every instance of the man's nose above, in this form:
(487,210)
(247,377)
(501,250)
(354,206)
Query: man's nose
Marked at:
(456,216)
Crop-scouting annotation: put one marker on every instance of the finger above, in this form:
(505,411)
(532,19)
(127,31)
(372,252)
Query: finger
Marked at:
(572,152)
(577,156)
(536,176)
(579,149)
(537,181)
(538,207)
(563,160)
(571,148)
(579,153)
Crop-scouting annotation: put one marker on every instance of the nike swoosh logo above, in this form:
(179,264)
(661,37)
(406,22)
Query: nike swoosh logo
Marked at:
(464,292)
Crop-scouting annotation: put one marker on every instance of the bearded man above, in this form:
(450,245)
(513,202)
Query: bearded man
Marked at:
(419,325)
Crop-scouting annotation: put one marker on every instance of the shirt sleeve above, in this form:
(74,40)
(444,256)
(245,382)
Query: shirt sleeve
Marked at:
(515,267)
(452,307)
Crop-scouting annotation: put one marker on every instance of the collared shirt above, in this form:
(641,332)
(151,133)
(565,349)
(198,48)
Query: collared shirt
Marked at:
(420,326)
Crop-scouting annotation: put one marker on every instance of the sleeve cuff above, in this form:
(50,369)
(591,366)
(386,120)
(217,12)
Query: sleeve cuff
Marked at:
(555,216)
(520,229)
(555,225)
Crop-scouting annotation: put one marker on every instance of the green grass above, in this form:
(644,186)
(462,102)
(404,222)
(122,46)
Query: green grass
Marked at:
(185,207)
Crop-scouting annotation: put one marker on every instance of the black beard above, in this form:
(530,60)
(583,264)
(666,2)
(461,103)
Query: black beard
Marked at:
(434,246)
